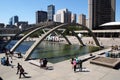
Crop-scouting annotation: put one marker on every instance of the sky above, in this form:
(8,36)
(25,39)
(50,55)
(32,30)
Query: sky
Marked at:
(26,9)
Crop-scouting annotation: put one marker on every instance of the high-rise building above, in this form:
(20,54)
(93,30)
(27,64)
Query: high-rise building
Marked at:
(15,19)
(41,16)
(87,22)
(73,18)
(2,25)
(11,21)
(82,19)
(68,17)
(51,12)
(100,12)
(63,16)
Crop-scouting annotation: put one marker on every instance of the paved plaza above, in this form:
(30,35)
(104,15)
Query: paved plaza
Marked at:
(62,71)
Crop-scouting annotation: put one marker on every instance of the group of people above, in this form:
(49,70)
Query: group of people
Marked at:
(43,63)
(5,61)
(20,70)
(76,64)
(116,47)
(7,52)
(8,62)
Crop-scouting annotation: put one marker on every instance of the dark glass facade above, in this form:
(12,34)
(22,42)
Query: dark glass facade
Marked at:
(51,12)
(15,19)
(101,11)
(41,16)
(11,21)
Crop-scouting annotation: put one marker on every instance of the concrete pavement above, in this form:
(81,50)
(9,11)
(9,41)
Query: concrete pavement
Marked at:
(62,71)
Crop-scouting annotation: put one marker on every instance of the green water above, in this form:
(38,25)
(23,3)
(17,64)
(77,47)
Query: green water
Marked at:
(56,52)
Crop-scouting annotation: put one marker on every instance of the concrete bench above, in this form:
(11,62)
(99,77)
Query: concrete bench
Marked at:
(34,62)
(105,61)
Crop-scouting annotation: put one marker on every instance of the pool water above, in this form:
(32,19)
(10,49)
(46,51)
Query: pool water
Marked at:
(55,52)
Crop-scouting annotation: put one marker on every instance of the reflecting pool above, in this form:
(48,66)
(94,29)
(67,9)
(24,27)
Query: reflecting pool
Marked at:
(55,52)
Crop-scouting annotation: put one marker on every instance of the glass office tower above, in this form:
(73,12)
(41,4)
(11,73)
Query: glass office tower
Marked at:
(51,12)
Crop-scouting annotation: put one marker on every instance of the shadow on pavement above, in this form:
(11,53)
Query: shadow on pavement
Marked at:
(1,78)
(82,70)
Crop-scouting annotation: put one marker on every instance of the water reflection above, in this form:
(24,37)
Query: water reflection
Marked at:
(55,52)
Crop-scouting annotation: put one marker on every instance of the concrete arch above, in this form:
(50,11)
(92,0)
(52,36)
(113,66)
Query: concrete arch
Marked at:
(31,49)
(23,38)
(30,29)
(92,34)
(79,39)
(64,37)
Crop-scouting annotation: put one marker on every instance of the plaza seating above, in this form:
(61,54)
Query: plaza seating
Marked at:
(34,62)
(106,61)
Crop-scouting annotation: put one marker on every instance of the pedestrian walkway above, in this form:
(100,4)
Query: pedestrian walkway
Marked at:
(62,71)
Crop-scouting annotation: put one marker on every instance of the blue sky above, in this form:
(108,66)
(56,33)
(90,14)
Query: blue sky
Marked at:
(26,9)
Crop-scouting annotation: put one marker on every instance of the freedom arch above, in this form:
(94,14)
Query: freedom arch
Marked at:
(35,30)
(40,39)
(30,29)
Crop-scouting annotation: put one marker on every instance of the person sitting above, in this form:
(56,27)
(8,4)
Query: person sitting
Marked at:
(19,55)
(3,61)
(45,62)
(7,61)
(41,62)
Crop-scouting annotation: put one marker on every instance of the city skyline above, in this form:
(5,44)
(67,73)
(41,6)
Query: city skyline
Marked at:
(26,9)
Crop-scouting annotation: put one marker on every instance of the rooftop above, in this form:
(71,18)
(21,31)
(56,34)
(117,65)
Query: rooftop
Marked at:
(111,24)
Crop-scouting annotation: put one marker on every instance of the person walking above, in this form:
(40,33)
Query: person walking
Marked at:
(80,63)
(18,68)
(21,72)
(74,65)
(72,62)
